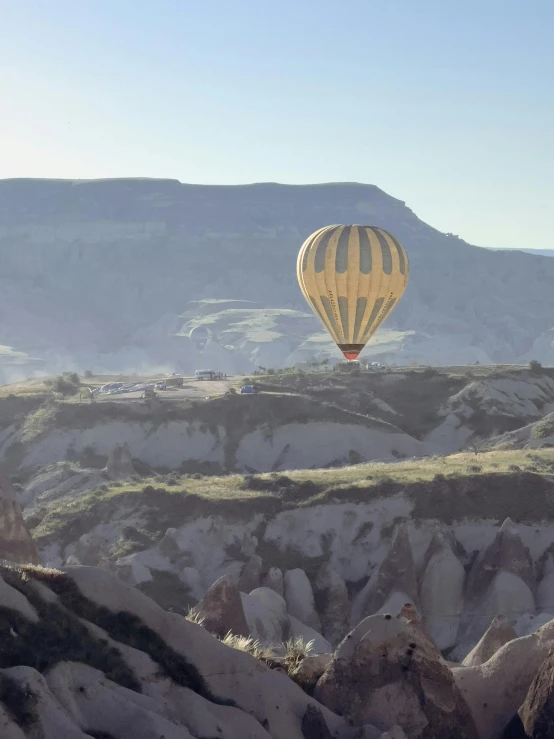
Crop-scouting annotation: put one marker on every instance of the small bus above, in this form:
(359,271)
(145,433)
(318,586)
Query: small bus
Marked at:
(206,374)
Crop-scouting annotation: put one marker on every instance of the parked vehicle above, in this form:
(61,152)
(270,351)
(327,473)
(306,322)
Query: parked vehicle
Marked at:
(206,374)
(174,381)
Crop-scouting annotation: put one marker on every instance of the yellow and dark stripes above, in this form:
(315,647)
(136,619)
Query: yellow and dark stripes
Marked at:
(352,276)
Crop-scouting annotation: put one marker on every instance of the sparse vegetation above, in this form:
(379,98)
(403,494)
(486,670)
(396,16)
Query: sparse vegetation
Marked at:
(251,646)
(293,651)
(535,366)
(477,446)
(544,428)
(64,385)
(194,617)
(438,487)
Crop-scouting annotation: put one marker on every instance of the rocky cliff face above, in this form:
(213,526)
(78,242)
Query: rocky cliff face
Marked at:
(97,272)
(16,543)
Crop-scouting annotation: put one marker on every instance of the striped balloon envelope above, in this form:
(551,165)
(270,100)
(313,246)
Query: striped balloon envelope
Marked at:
(352,277)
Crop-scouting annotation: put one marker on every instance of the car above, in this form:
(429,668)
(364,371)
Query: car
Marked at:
(248,390)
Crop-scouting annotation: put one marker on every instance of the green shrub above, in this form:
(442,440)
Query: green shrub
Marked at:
(543,428)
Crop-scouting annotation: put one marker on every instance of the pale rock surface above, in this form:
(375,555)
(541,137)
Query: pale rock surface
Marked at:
(131,571)
(266,616)
(53,720)
(500,632)
(203,544)
(120,463)
(387,672)
(508,595)
(250,576)
(395,732)
(91,548)
(191,579)
(528,623)
(495,690)
(442,592)
(14,600)
(501,581)
(396,573)
(95,703)
(394,604)
(257,690)
(274,580)
(537,712)
(181,705)
(545,589)
(298,630)
(16,543)
(8,728)
(61,479)
(332,597)
(299,597)
(222,610)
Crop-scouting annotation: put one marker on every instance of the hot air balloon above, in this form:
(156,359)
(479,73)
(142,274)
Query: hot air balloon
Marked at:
(352,277)
(200,336)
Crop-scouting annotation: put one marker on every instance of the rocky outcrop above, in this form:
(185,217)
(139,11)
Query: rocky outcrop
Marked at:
(501,581)
(274,580)
(314,725)
(394,733)
(395,579)
(307,635)
(309,671)
(221,609)
(16,543)
(266,616)
(69,316)
(495,690)
(176,680)
(299,597)
(442,592)
(333,605)
(387,672)
(250,576)
(545,589)
(537,712)
(120,464)
(500,632)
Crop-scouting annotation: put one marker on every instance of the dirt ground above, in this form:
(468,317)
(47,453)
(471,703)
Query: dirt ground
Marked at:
(192,388)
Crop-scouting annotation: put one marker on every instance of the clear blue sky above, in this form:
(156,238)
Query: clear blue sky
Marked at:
(446,104)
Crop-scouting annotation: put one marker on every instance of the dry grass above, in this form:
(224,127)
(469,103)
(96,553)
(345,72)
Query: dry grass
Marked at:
(194,617)
(296,651)
(461,485)
(250,645)
(289,656)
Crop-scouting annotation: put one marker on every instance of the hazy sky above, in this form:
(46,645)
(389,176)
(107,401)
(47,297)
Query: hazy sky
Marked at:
(445,104)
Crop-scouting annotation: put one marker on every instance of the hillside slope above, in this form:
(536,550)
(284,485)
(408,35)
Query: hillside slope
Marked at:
(96,273)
